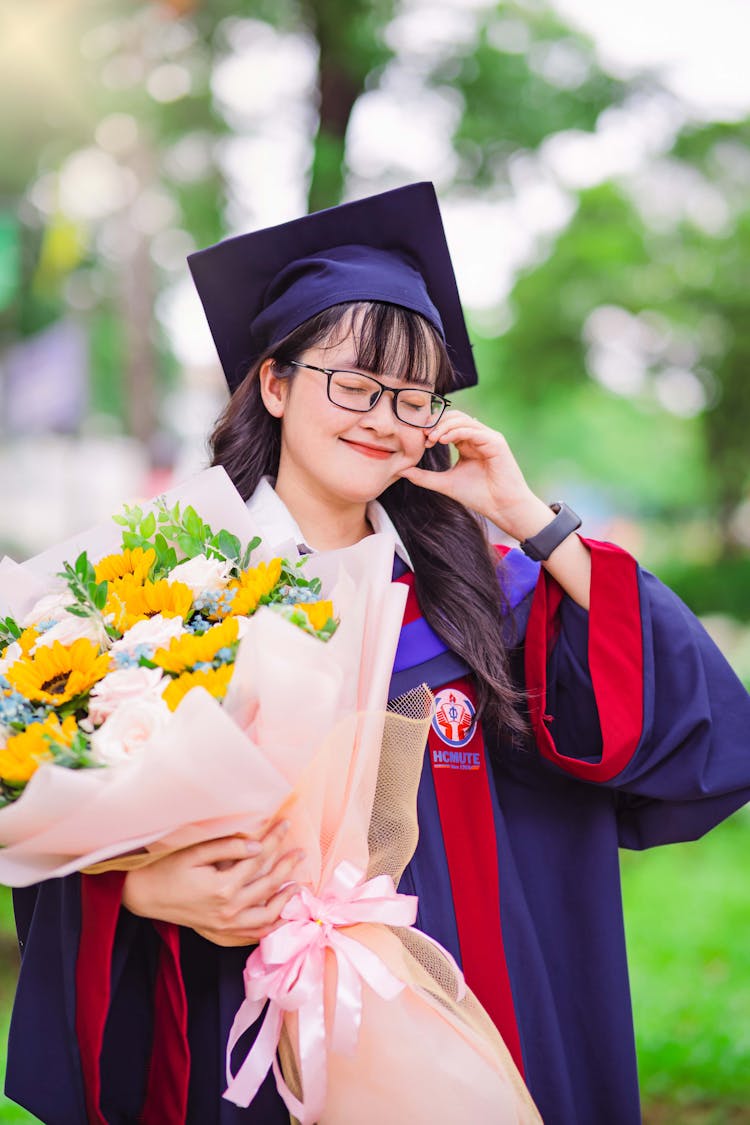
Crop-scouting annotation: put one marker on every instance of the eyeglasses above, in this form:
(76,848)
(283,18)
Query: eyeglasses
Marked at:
(351,390)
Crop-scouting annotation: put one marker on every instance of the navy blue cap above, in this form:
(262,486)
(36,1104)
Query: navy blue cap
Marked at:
(258,287)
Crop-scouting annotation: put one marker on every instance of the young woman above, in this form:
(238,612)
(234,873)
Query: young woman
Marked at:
(580,706)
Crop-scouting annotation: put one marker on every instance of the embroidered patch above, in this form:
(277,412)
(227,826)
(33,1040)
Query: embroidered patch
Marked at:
(453,723)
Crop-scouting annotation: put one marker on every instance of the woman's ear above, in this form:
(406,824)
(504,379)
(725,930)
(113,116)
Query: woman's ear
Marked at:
(273,388)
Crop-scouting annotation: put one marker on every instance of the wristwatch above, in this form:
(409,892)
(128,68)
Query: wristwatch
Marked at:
(539,547)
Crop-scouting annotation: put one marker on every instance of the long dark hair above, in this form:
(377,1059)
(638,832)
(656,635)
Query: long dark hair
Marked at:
(454,564)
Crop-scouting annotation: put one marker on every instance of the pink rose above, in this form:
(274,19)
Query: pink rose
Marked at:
(69,628)
(156,632)
(130,729)
(50,607)
(201,574)
(121,687)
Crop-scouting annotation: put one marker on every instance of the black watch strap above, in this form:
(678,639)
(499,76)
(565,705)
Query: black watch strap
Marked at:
(539,547)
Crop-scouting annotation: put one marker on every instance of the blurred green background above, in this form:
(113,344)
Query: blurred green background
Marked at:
(595,197)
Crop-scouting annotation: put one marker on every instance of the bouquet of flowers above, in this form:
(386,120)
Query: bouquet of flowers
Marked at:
(139,685)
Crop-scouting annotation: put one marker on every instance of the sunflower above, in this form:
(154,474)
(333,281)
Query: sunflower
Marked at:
(186,651)
(23,753)
(252,585)
(319,613)
(27,640)
(214,680)
(135,562)
(57,673)
(129,601)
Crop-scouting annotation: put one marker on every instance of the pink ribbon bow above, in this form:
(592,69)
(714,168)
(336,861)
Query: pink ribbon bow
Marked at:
(287,969)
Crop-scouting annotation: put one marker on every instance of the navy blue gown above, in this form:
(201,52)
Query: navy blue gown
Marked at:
(640,737)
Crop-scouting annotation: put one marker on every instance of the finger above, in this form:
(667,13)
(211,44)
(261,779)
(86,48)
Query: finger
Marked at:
(264,850)
(264,917)
(475,432)
(243,871)
(261,890)
(452,418)
(427,478)
(222,850)
(271,845)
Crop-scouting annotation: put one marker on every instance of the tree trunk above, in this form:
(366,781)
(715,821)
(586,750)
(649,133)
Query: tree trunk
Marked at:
(338,93)
(137,291)
(349,38)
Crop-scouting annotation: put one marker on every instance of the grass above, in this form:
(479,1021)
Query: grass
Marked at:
(687,912)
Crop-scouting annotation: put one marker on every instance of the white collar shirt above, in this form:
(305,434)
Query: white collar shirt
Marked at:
(275,524)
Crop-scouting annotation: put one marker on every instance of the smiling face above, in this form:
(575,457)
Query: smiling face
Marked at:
(337,456)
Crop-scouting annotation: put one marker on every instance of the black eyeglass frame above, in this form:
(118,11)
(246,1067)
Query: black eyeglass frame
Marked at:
(331,371)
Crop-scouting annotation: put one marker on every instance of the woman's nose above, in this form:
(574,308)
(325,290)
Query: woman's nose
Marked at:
(382,416)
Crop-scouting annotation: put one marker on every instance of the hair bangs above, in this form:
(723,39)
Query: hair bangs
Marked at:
(393,341)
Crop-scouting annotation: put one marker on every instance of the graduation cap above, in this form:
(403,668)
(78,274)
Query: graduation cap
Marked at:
(258,287)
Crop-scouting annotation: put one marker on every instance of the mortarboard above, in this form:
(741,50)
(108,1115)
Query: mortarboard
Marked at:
(256,288)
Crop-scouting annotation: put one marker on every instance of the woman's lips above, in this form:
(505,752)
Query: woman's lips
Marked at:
(375,451)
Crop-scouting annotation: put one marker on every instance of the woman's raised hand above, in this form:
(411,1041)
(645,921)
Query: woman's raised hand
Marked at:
(231,890)
(486,477)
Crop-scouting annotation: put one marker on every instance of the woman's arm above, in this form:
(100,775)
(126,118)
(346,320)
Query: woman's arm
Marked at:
(487,479)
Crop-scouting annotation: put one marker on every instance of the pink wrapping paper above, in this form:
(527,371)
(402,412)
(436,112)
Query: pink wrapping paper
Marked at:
(361,1025)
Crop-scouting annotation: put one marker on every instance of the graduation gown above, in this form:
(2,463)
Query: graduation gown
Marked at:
(637,736)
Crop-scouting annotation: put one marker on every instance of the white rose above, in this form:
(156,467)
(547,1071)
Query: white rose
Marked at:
(10,656)
(50,607)
(70,628)
(120,687)
(130,729)
(156,632)
(202,574)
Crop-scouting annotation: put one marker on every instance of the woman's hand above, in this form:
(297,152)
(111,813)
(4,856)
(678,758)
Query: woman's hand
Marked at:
(485,478)
(230,890)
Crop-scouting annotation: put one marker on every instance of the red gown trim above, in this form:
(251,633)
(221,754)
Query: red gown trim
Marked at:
(468,826)
(169,1068)
(615,653)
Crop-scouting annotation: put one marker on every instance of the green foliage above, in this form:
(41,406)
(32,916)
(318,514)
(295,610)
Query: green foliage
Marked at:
(76,756)
(515,94)
(106,357)
(687,916)
(293,579)
(692,281)
(184,530)
(599,259)
(10,631)
(299,618)
(578,438)
(708,588)
(89,595)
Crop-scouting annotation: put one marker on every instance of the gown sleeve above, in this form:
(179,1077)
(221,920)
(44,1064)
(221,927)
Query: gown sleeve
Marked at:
(44,1069)
(634,695)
